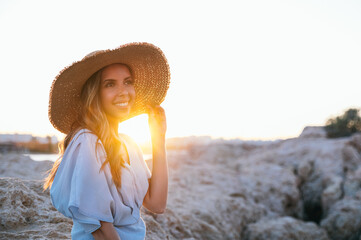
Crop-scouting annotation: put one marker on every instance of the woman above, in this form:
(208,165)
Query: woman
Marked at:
(101,180)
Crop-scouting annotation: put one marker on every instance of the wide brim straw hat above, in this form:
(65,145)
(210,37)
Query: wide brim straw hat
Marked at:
(149,68)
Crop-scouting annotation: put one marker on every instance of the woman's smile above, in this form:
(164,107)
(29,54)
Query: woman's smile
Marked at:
(122,104)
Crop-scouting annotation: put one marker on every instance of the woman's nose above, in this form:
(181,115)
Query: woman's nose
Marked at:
(122,90)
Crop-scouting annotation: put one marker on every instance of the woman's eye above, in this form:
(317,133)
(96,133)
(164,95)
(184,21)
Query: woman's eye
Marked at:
(109,85)
(129,82)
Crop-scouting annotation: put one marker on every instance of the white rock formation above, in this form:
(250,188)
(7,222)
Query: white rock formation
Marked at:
(343,221)
(26,212)
(284,228)
(20,166)
(300,188)
(313,132)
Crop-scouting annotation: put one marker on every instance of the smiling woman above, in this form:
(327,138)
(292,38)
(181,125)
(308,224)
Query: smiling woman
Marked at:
(101,179)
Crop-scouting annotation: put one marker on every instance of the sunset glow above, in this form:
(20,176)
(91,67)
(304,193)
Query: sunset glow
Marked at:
(137,128)
(246,69)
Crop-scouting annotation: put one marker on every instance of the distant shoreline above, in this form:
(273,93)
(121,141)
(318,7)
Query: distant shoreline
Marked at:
(42,156)
(53,156)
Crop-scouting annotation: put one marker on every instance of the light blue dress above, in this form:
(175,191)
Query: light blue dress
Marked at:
(87,195)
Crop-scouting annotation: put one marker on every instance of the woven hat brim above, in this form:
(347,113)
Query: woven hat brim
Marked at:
(149,67)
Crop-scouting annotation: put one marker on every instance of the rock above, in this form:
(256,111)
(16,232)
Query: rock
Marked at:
(273,186)
(311,191)
(343,221)
(332,192)
(20,166)
(351,158)
(355,141)
(284,228)
(352,183)
(305,168)
(220,153)
(204,201)
(313,132)
(26,212)
(219,190)
(154,229)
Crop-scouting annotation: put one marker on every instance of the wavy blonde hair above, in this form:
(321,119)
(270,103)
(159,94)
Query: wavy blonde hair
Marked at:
(93,118)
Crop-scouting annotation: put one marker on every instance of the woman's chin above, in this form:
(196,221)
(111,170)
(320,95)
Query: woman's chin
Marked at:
(118,117)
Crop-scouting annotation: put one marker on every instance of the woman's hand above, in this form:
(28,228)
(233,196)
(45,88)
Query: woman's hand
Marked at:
(106,231)
(157,122)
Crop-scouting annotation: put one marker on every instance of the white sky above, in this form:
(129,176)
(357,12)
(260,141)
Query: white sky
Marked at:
(248,69)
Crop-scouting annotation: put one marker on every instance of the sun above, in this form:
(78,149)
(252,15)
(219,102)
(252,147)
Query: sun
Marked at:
(137,128)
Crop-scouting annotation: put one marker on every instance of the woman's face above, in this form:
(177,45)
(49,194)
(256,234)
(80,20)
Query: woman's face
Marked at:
(117,94)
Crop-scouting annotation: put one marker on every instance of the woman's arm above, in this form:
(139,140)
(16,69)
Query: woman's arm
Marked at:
(106,232)
(156,198)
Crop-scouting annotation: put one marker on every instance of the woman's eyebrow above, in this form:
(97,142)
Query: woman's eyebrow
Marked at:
(109,80)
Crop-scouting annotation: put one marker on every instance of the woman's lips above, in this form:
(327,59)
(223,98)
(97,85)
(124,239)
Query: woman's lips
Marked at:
(122,104)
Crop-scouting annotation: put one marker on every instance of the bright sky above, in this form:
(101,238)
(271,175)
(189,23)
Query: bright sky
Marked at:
(257,69)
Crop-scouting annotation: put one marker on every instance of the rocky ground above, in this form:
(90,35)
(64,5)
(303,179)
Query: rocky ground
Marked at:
(302,188)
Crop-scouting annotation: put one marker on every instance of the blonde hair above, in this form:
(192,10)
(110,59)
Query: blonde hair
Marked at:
(93,118)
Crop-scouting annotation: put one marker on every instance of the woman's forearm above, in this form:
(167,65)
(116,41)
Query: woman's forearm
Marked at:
(159,185)
(156,198)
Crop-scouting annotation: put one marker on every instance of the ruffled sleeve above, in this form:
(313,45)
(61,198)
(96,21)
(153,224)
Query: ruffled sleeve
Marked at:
(81,190)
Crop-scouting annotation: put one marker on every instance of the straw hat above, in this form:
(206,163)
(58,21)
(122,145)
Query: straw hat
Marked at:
(150,71)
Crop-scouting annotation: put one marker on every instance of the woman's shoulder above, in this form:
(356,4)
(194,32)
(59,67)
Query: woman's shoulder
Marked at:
(84,143)
(85,135)
(85,140)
